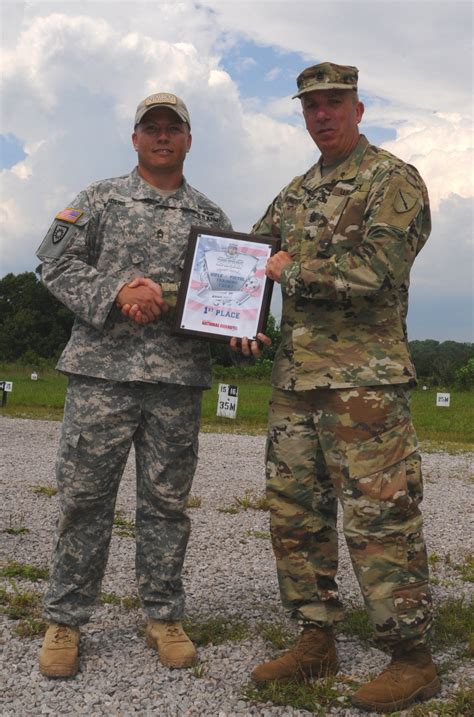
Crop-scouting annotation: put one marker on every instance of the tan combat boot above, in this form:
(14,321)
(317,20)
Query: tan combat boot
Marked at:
(59,656)
(314,655)
(174,647)
(410,677)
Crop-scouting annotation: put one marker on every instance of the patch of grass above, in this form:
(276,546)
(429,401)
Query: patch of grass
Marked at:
(30,627)
(248,501)
(48,490)
(453,623)
(357,624)
(452,425)
(276,633)
(23,570)
(130,602)
(19,604)
(199,671)
(121,533)
(450,447)
(231,509)
(23,606)
(252,410)
(466,568)
(194,501)
(316,697)
(447,665)
(216,630)
(460,704)
(110,599)
(38,413)
(433,559)
(126,602)
(447,429)
(48,391)
(124,527)
(17,530)
(262,534)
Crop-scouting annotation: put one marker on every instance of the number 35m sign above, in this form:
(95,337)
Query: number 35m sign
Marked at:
(227,399)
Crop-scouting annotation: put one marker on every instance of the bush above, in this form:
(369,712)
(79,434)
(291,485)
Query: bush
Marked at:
(31,360)
(464,376)
(436,363)
(33,324)
(260,370)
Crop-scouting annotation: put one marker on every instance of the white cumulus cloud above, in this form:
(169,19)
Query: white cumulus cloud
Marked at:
(74,71)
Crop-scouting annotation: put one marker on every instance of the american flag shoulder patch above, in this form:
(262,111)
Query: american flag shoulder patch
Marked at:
(70,215)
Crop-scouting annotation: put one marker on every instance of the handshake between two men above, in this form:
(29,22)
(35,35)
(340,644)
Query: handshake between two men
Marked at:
(142,301)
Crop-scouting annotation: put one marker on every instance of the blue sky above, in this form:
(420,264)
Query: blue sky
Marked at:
(73,73)
(11,150)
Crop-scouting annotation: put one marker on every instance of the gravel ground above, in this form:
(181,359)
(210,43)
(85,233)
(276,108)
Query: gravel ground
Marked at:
(229,571)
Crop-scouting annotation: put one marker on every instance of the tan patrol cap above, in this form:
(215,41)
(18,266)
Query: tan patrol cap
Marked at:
(326,76)
(162,99)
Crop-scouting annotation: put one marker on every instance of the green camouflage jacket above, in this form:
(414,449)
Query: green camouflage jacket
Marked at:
(115,230)
(353,236)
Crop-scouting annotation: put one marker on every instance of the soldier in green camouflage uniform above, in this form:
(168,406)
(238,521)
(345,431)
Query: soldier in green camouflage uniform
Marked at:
(340,424)
(115,257)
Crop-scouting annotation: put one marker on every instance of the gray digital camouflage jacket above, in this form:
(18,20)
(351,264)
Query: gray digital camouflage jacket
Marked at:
(113,231)
(353,236)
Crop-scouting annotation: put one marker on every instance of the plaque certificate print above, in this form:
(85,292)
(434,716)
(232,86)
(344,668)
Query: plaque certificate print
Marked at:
(224,291)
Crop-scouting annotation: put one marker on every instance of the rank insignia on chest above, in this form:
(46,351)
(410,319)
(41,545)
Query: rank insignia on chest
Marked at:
(70,215)
(208,215)
(59,233)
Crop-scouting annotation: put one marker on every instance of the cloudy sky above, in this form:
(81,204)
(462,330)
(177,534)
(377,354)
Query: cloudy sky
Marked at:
(74,71)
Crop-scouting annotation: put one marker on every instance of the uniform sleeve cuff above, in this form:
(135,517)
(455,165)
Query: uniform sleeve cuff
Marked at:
(291,282)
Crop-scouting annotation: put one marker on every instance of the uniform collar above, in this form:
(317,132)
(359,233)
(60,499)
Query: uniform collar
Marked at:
(139,189)
(344,171)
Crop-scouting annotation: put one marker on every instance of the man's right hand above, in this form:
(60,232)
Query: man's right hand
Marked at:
(141,300)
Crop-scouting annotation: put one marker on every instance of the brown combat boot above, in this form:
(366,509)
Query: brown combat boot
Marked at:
(410,677)
(59,656)
(174,647)
(314,655)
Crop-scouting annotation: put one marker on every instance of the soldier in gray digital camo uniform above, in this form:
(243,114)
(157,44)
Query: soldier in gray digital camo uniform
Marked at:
(114,257)
(340,424)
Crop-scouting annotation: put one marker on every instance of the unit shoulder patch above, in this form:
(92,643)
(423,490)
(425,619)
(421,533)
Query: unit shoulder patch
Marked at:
(62,234)
(403,201)
(59,233)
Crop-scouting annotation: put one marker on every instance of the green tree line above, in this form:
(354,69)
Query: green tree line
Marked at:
(34,328)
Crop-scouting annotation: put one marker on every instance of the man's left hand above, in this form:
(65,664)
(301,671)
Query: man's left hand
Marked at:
(276,264)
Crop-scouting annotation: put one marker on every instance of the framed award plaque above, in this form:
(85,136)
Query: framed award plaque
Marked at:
(224,291)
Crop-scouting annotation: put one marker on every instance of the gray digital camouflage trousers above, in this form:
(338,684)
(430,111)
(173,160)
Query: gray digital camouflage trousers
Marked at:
(101,421)
(358,445)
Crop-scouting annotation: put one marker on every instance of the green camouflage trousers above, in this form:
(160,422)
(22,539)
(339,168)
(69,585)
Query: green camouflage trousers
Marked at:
(101,421)
(358,445)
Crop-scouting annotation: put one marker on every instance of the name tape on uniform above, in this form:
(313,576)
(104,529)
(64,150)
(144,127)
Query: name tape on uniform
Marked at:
(227,399)
(443,399)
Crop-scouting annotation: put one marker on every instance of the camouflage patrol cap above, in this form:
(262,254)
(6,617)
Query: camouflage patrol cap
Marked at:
(326,76)
(162,99)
